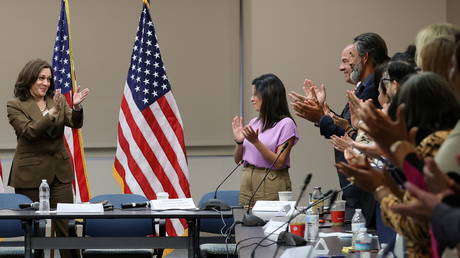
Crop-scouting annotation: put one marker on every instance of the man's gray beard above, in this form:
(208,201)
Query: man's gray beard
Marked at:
(356,72)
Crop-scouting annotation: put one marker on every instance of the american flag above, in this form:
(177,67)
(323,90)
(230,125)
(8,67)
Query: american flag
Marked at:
(150,155)
(2,188)
(64,79)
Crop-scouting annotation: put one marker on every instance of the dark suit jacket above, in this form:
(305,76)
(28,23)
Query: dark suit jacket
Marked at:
(40,152)
(355,197)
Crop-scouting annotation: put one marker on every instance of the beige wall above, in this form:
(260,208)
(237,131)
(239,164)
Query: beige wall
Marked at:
(198,41)
(298,39)
(295,39)
(452,7)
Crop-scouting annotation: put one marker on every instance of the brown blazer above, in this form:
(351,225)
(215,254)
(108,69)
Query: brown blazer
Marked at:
(40,152)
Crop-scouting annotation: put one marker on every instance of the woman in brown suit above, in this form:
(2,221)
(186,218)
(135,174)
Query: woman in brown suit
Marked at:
(38,115)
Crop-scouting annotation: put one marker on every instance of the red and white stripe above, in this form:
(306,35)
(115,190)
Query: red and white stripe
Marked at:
(150,156)
(2,188)
(74,145)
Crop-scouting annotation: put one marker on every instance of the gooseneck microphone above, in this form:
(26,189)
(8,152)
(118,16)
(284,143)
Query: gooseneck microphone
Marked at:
(135,205)
(286,237)
(33,205)
(304,187)
(250,220)
(216,204)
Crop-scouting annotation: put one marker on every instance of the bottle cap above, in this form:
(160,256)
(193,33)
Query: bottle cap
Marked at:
(43,180)
(358,210)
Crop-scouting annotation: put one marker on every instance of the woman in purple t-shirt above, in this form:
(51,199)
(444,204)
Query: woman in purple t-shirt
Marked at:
(260,142)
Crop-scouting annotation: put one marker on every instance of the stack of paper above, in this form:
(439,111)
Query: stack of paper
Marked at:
(173,204)
(80,208)
(269,209)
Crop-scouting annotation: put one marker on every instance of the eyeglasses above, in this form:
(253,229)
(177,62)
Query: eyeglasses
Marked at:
(386,80)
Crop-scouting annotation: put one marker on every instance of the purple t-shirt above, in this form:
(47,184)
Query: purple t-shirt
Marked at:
(283,130)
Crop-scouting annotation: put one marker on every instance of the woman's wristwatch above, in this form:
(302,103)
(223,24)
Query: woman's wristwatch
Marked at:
(237,142)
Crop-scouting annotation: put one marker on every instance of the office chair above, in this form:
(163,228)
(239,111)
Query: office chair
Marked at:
(215,246)
(14,228)
(120,227)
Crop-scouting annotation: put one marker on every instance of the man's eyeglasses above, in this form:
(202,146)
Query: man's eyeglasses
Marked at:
(386,80)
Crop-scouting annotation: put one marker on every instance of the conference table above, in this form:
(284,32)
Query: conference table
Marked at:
(247,237)
(190,242)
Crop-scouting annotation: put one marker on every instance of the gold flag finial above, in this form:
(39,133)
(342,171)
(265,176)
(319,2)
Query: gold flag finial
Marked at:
(147,2)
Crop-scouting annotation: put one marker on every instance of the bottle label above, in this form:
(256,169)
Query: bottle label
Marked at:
(318,207)
(312,219)
(360,246)
(356,226)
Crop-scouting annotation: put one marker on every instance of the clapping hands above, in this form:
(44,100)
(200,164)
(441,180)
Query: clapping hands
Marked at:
(241,132)
(237,127)
(58,100)
(311,105)
(80,95)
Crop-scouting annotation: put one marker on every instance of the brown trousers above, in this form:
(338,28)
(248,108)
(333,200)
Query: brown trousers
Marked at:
(59,193)
(276,181)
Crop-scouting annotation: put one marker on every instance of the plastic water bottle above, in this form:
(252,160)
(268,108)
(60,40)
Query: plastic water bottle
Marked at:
(363,243)
(311,225)
(316,196)
(44,206)
(358,221)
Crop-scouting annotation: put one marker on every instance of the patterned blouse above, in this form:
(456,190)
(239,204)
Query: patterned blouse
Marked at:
(416,233)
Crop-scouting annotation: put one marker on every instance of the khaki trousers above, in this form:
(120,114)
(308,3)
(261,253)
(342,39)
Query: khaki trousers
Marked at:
(276,181)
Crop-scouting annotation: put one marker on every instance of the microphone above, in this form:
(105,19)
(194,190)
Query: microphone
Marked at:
(286,237)
(216,204)
(33,205)
(252,220)
(304,187)
(135,205)
(333,199)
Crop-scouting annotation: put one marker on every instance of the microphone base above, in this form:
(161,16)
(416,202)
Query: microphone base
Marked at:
(288,239)
(252,221)
(215,204)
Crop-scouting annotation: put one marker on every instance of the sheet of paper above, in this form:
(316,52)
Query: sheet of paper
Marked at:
(284,206)
(335,234)
(80,208)
(273,226)
(298,252)
(172,204)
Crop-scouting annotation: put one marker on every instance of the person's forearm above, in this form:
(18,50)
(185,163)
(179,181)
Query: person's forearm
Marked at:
(271,156)
(268,155)
(238,152)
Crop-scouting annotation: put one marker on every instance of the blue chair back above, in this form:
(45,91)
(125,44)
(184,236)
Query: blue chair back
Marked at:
(119,227)
(230,197)
(10,227)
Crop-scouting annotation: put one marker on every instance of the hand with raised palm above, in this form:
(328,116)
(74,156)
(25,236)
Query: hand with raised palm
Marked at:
(58,100)
(314,92)
(237,128)
(80,95)
(382,128)
(342,142)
